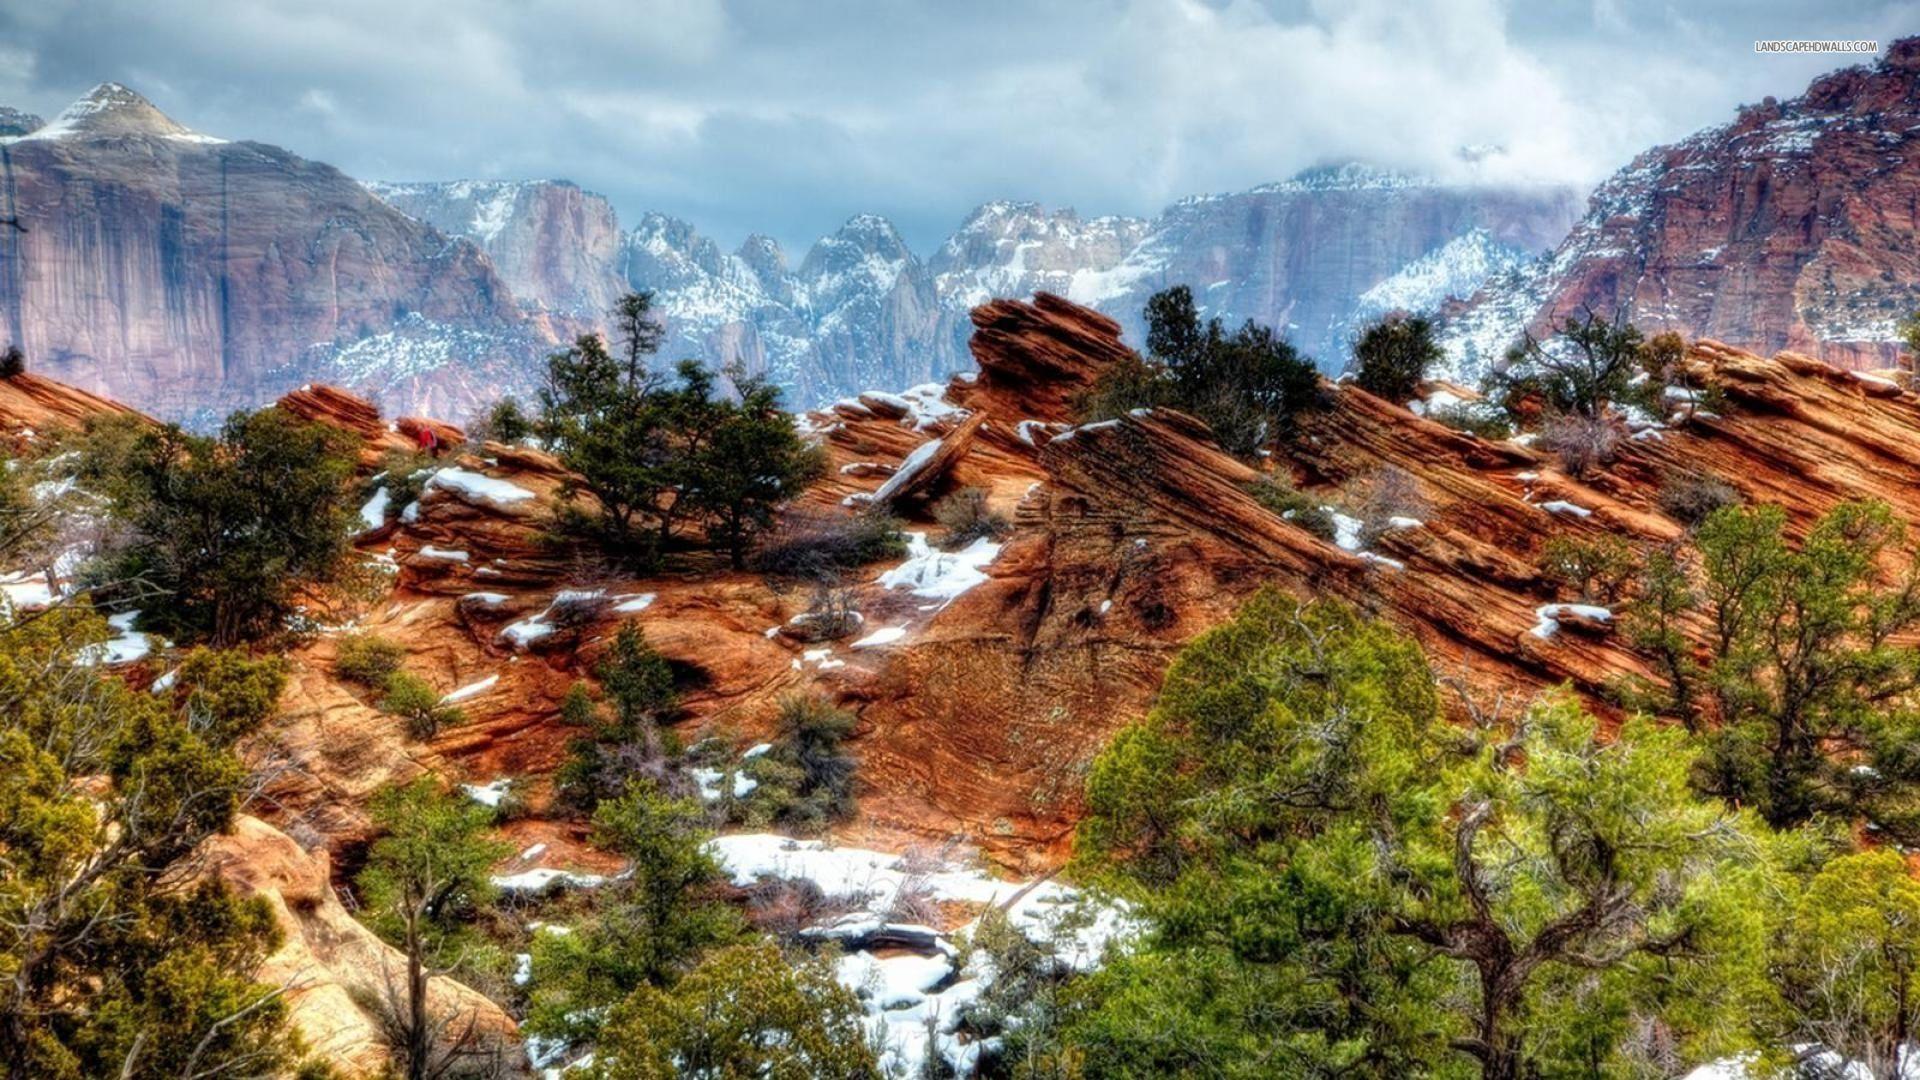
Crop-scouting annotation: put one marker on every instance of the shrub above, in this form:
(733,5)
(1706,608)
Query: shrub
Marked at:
(1249,386)
(13,362)
(367,659)
(1583,443)
(1595,571)
(810,546)
(1586,367)
(1288,502)
(1391,357)
(505,422)
(1690,498)
(1376,499)
(404,474)
(830,615)
(805,781)
(1481,422)
(967,517)
(409,697)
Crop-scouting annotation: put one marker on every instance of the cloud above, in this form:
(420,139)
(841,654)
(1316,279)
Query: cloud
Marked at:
(763,115)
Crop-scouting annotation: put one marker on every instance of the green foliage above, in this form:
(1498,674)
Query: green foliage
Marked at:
(426,876)
(1809,676)
(623,741)
(409,697)
(805,782)
(745,1011)
(1849,957)
(504,422)
(743,460)
(646,928)
(646,447)
(1336,880)
(1653,624)
(230,526)
(113,963)
(367,659)
(1910,336)
(425,882)
(404,474)
(967,516)
(1250,386)
(1587,366)
(1280,497)
(1391,357)
(1594,571)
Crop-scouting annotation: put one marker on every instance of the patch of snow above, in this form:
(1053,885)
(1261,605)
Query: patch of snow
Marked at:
(478,487)
(1562,506)
(428,551)
(1549,616)
(490,793)
(940,575)
(912,464)
(374,513)
(886,635)
(471,690)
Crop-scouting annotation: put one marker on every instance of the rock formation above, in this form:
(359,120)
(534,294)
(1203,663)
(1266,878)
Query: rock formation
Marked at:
(187,275)
(334,968)
(1789,227)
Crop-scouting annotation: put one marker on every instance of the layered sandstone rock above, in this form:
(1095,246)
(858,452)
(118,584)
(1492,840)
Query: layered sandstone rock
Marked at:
(1790,227)
(187,275)
(334,969)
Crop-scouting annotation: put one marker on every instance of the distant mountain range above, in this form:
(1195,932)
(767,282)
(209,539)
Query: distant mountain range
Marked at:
(190,275)
(1315,255)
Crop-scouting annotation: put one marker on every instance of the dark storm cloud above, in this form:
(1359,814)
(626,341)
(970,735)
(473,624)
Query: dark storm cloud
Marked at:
(785,117)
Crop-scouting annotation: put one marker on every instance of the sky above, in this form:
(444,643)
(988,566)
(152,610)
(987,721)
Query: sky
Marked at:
(786,117)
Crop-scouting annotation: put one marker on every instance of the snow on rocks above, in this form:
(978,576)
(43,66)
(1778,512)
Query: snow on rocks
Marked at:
(914,462)
(479,488)
(428,551)
(490,793)
(940,575)
(1565,508)
(542,878)
(630,604)
(374,513)
(886,635)
(1549,616)
(471,690)
(905,974)
(710,780)
(529,630)
(124,647)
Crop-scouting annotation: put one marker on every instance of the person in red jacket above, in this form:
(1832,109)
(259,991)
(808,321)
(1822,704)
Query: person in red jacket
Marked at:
(429,442)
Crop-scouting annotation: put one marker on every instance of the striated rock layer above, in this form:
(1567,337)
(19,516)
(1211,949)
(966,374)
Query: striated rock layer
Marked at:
(985,679)
(187,275)
(1790,227)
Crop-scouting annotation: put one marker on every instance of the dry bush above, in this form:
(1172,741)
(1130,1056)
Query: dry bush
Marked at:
(830,613)
(1382,495)
(1689,497)
(1583,443)
(967,517)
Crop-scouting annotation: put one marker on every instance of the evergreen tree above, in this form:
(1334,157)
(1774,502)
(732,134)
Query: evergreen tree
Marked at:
(646,927)
(745,1011)
(752,463)
(230,527)
(623,743)
(1338,881)
(1584,369)
(1249,386)
(1391,357)
(424,882)
(1804,696)
(603,413)
(1848,961)
(115,960)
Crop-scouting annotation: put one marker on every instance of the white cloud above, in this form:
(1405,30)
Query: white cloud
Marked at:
(786,118)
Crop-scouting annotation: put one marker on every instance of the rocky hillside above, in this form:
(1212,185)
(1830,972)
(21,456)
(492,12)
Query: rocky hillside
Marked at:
(985,676)
(1789,227)
(189,275)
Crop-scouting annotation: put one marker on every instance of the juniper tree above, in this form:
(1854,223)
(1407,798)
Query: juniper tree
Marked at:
(1391,357)
(1337,881)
